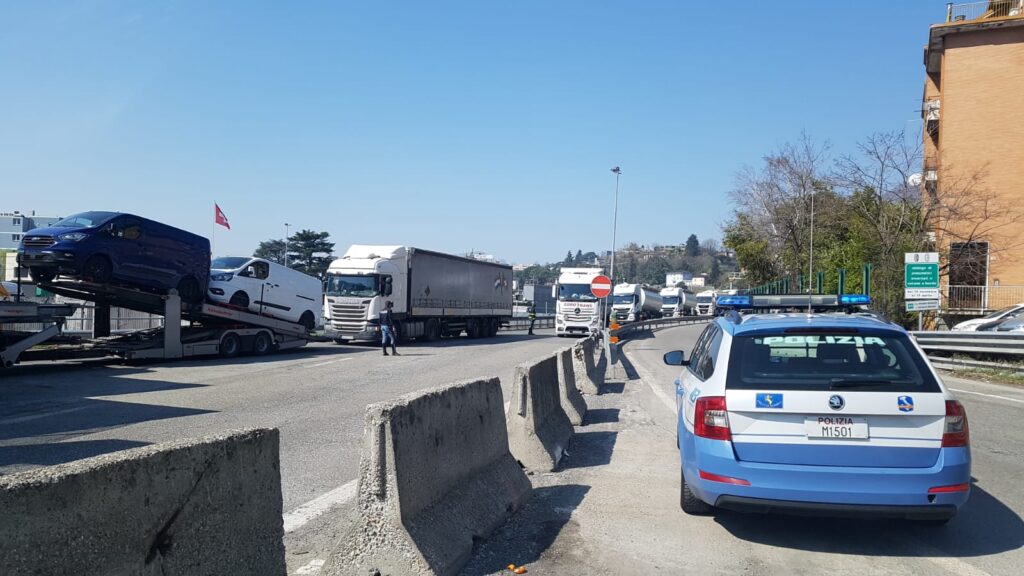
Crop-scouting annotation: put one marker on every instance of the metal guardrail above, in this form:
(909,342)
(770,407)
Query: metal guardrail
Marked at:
(982,10)
(542,321)
(658,323)
(954,363)
(972,342)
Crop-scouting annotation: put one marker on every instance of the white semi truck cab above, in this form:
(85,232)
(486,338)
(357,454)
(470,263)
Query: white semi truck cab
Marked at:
(633,302)
(678,302)
(577,310)
(434,295)
(706,302)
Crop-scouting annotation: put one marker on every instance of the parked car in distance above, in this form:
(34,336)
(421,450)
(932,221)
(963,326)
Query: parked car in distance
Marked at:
(994,317)
(116,248)
(267,288)
(1010,323)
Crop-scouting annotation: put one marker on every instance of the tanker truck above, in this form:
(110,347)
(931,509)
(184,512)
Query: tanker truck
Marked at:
(577,310)
(435,295)
(678,302)
(633,302)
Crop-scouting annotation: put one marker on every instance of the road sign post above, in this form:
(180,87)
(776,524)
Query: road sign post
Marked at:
(921,282)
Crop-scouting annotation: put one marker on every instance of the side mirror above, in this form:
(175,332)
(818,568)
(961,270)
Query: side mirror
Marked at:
(554,291)
(387,286)
(676,358)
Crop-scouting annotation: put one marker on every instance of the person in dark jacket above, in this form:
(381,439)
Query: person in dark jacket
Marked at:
(533,318)
(387,329)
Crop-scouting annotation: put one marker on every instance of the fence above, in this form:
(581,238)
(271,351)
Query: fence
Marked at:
(542,321)
(983,10)
(658,323)
(981,298)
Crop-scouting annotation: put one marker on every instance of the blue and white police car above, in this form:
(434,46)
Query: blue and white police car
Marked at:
(827,411)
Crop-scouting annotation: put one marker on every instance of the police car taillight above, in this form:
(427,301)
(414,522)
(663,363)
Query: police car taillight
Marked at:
(710,419)
(957,433)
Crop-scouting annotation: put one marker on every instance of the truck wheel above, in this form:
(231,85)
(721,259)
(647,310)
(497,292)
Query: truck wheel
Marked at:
(98,269)
(472,328)
(262,344)
(230,345)
(42,275)
(492,328)
(432,330)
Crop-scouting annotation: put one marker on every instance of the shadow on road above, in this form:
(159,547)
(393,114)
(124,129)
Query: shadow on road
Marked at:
(32,455)
(523,539)
(589,449)
(601,416)
(984,526)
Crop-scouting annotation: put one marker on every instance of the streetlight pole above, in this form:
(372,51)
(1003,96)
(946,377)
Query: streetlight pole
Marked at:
(286,225)
(615,223)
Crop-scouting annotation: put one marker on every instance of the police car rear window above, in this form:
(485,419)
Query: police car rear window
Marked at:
(882,362)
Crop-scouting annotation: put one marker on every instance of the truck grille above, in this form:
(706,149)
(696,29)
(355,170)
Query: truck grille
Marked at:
(578,318)
(349,317)
(38,241)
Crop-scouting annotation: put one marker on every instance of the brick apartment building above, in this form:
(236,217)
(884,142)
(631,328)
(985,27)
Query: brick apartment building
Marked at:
(974,151)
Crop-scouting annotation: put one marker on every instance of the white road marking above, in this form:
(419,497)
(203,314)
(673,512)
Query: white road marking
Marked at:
(1007,398)
(300,516)
(311,568)
(19,419)
(328,362)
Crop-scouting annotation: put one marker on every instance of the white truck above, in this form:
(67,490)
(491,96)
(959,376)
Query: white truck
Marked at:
(577,310)
(634,302)
(678,302)
(435,295)
(706,303)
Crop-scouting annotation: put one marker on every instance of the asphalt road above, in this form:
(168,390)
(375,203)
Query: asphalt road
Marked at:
(613,507)
(53,413)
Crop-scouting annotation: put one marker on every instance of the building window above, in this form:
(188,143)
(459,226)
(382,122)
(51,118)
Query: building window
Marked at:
(16,222)
(16,237)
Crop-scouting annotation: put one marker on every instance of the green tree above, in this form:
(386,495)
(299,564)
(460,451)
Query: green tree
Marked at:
(578,259)
(568,259)
(272,250)
(310,252)
(692,246)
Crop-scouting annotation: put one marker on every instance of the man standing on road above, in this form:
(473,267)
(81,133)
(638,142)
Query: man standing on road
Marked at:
(533,318)
(387,329)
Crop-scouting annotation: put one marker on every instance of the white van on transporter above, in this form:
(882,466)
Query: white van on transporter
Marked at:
(267,288)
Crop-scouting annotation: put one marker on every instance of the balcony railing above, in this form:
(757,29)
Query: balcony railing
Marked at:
(984,10)
(981,298)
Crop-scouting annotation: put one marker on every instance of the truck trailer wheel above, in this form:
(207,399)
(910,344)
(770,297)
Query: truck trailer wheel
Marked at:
(492,328)
(432,330)
(473,328)
(230,345)
(262,344)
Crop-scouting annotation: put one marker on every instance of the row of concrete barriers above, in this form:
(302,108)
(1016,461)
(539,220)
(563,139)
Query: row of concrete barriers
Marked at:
(443,468)
(440,469)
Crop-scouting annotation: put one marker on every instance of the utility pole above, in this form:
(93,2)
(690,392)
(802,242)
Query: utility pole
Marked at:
(615,223)
(286,225)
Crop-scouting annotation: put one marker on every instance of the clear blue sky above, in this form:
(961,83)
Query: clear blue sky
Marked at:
(487,125)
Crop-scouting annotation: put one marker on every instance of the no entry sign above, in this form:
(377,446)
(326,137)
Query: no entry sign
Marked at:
(601,286)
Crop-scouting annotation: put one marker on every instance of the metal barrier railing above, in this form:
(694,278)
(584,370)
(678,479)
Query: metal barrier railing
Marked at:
(658,323)
(972,342)
(542,321)
(981,10)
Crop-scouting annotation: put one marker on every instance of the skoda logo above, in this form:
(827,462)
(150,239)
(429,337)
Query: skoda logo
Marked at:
(576,311)
(836,402)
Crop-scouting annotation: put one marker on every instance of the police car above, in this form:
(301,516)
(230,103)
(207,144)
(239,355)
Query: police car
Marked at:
(824,411)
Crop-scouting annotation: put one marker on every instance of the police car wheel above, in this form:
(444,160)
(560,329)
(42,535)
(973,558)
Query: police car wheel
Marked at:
(689,501)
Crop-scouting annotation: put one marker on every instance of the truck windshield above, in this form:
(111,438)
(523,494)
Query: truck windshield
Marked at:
(359,286)
(828,360)
(623,298)
(704,299)
(575,292)
(670,299)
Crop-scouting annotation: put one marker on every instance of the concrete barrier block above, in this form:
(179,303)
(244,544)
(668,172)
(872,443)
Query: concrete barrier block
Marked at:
(572,401)
(435,474)
(195,507)
(588,378)
(538,428)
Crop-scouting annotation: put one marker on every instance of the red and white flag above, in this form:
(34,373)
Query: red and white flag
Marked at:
(220,218)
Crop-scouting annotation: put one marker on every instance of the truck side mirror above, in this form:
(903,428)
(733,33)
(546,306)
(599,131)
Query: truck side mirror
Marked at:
(387,286)
(554,291)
